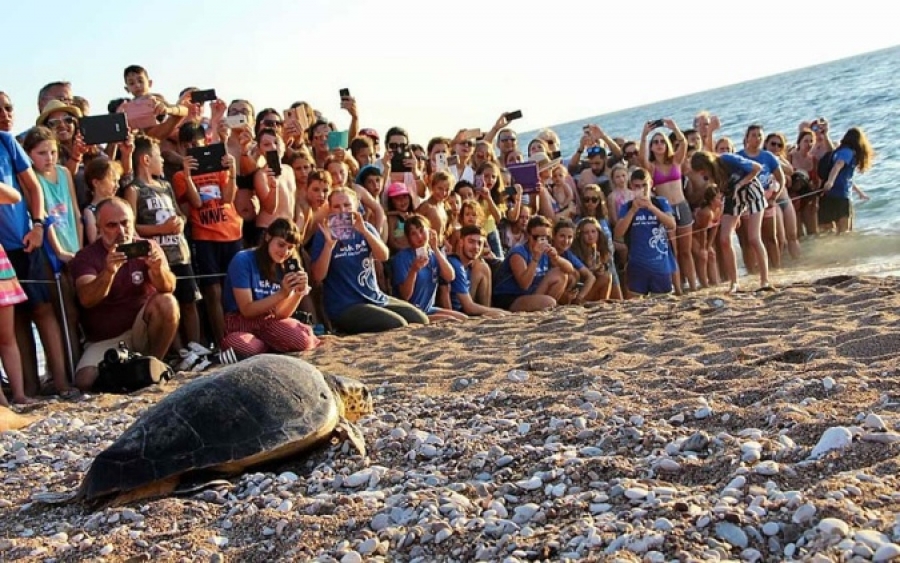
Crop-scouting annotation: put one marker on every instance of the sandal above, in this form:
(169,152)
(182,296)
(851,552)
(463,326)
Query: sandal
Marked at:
(70,394)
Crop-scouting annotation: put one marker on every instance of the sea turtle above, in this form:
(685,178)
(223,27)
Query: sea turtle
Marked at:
(265,408)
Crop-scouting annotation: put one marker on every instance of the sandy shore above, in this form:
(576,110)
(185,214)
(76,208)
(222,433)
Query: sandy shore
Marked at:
(651,430)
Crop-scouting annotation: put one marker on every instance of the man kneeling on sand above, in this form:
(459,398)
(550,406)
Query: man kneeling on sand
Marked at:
(126,292)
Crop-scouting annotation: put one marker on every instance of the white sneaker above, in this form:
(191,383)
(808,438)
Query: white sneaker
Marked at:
(226,357)
(188,360)
(199,349)
(201,365)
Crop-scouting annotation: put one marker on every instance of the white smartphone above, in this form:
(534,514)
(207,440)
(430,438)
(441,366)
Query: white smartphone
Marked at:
(235,121)
(440,161)
(422,252)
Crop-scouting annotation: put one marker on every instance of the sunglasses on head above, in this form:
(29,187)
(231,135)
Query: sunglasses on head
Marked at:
(272,122)
(60,120)
(594,151)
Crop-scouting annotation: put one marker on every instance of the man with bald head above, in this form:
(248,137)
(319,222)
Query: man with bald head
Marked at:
(124,299)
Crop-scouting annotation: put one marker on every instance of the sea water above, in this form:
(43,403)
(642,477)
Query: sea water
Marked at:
(861,91)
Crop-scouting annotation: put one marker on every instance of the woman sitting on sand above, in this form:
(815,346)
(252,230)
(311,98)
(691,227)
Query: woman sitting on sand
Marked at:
(580,284)
(263,288)
(594,248)
(344,262)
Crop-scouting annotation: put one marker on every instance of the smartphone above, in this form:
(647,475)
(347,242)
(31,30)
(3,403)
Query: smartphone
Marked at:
(510,191)
(816,127)
(398,163)
(273,162)
(422,252)
(136,249)
(291,265)
(555,154)
(200,96)
(453,160)
(235,121)
(345,93)
(479,183)
(472,133)
(290,114)
(513,115)
(657,124)
(440,161)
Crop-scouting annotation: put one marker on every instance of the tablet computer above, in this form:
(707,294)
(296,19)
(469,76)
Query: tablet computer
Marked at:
(108,128)
(209,158)
(524,174)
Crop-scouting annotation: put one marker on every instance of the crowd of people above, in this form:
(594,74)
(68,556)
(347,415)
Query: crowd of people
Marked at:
(293,229)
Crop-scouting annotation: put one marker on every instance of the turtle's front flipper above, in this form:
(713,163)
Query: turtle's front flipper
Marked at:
(54,498)
(346,430)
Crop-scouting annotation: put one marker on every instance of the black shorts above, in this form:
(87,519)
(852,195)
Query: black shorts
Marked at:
(34,275)
(503,300)
(185,286)
(833,209)
(211,259)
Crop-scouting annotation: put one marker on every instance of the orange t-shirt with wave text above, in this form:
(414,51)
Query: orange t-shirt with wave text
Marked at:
(215,220)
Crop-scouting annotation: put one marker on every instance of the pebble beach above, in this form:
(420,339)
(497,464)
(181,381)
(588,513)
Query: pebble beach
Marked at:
(747,427)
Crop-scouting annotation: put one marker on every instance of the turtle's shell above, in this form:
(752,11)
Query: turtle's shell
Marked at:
(263,408)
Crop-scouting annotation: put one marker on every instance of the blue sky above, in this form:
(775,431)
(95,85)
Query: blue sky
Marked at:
(433,68)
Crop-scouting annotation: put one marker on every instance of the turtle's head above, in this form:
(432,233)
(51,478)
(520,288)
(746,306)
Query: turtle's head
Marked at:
(354,399)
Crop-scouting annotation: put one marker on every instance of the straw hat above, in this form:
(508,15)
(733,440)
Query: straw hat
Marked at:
(56,106)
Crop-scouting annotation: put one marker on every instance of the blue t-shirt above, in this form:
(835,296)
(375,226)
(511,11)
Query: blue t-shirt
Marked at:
(14,218)
(460,284)
(844,181)
(425,289)
(351,274)
(738,167)
(507,284)
(570,256)
(243,273)
(648,241)
(769,163)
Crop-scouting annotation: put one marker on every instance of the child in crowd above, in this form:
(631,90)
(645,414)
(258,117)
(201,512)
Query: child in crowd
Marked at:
(158,217)
(62,237)
(11,293)
(400,208)
(643,225)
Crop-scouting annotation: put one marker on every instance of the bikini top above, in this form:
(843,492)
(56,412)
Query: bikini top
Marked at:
(660,177)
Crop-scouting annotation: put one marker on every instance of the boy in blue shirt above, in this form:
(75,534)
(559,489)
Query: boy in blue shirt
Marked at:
(643,224)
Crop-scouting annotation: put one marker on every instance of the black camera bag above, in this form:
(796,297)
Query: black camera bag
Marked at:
(132,374)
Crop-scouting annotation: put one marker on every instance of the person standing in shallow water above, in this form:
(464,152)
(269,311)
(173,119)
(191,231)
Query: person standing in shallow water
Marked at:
(853,153)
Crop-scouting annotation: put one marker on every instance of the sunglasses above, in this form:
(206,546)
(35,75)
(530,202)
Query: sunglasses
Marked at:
(507,139)
(467,143)
(658,142)
(244,112)
(7,109)
(592,199)
(52,123)
(594,151)
(776,144)
(396,146)
(273,122)
(631,154)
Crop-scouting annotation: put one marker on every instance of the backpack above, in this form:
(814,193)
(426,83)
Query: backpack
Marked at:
(824,166)
(123,371)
